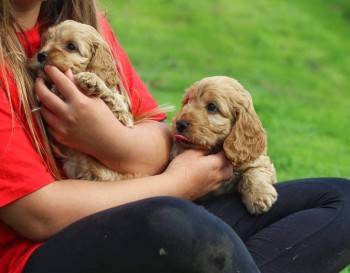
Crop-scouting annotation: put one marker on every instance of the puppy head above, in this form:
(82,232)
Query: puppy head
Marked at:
(76,46)
(218,113)
(205,118)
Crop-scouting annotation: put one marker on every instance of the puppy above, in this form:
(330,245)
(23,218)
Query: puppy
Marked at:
(218,114)
(79,47)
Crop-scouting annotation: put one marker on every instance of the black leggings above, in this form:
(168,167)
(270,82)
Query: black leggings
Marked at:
(306,231)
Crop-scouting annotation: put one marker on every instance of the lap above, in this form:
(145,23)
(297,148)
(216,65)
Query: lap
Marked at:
(153,235)
(298,232)
(170,235)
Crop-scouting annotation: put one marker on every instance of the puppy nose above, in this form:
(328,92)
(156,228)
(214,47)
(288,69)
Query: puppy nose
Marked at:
(181,125)
(42,56)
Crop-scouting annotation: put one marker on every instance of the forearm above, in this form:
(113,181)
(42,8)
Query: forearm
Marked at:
(86,124)
(143,149)
(39,215)
(45,212)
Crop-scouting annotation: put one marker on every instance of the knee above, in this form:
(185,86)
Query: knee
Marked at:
(166,214)
(342,188)
(330,190)
(341,193)
(188,233)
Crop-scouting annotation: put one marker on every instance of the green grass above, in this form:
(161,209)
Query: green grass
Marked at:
(293,56)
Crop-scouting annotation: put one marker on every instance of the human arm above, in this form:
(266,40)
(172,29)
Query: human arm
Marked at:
(87,125)
(41,214)
(37,207)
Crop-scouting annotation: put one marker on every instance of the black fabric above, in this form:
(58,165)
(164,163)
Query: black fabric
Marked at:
(153,235)
(306,231)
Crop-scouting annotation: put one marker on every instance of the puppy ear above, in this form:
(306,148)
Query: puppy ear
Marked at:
(102,64)
(247,140)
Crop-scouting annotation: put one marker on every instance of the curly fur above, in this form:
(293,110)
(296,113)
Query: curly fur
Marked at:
(79,47)
(218,113)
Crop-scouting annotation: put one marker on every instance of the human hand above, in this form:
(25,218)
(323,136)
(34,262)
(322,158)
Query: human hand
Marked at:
(195,173)
(79,122)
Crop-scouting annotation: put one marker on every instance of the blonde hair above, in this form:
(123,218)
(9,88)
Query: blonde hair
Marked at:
(13,60)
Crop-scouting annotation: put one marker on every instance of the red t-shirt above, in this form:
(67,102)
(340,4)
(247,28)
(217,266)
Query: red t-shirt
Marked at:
(21,170)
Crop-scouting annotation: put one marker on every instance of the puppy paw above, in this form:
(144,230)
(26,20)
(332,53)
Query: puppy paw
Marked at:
(90,83)
(260,200)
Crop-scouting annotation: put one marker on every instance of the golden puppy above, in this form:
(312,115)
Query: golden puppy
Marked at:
(79,47)
(218,113)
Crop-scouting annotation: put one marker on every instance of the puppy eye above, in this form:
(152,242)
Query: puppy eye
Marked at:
(70,46)
(212,107)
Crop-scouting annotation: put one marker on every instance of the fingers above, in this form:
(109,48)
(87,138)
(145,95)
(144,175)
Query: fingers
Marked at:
(70,75)
(64,82)
(227,171)
(219,160)
(50,118)
(50,101)
(224,165)
(219,157)
(195,153)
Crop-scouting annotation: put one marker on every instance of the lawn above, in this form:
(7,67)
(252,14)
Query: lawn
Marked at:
(293,56)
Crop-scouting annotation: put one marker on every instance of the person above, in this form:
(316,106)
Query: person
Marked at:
(149,224)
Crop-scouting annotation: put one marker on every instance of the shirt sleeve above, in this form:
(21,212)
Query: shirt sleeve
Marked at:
(141,99)
(21,169)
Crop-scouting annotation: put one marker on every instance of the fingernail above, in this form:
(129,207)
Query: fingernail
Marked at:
(47,66)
